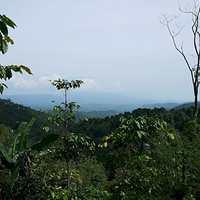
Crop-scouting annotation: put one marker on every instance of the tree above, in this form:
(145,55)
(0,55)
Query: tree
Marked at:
(6,71)
(151,161)
(74,144)
(131,154)
(194,68)
(65,87)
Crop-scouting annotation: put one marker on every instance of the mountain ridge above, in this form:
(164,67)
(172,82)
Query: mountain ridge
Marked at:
(89,101)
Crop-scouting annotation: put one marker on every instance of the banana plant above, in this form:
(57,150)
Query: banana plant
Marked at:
(12,156)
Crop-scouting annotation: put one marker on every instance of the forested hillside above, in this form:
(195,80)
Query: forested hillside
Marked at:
(127,159)
(13,114)
(96,128)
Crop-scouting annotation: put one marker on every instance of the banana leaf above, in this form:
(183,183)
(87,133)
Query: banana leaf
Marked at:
(50,138)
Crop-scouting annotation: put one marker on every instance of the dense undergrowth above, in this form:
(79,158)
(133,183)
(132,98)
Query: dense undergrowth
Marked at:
(143,154)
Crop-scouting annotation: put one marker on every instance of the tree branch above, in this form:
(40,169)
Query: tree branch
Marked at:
(173,34)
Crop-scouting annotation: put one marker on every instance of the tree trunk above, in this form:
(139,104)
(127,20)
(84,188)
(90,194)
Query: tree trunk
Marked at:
(196,104)
(66,140)
(68,175)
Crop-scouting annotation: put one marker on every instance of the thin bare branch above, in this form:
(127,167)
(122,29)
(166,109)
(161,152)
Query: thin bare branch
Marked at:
(188,9)
(173,34)
(194,11)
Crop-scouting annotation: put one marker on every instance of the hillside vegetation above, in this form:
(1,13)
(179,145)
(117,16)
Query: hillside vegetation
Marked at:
(13,114)
(136,155)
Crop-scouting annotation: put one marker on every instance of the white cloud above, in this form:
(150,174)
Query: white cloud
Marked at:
(90,85)
(21,83)
(114,86)
(104,86)
(26,85)
(44,80)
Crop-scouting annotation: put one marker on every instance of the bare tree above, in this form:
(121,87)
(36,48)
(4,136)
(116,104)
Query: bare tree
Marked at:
(194,12)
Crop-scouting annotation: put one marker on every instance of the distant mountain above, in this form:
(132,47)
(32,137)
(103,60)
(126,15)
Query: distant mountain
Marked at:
(88,101)
(167,106)
(95,114)
(35,101)
(186,105)
(107,107)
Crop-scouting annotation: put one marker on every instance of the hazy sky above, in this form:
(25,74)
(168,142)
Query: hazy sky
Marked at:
(114,46)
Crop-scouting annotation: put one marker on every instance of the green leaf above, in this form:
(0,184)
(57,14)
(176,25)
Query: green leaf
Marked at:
(4,47)
(19,69)
(8,72)
(52,194)
(142,157)
(16,68)
(140,133)
(138,124)
(127,181)
(2,72)
(9,40)
(164,125)
(5,153)
(1,39)
(45,128)
(50,138)
(12,179)
(24,135)
(8,21)
(1,88)
(171,135)
(3,28)
(26,69)
(19,138)
(2,85)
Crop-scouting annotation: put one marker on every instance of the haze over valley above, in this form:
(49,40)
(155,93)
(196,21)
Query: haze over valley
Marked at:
(90,101)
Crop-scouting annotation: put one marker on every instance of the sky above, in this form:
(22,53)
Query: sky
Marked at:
(114,46)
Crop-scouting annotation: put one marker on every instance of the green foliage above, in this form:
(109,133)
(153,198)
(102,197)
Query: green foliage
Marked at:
(64,111)
(50,138)
(92,173)
(5,134)
(4,38)
(12,156)
(6,71)
(65,84)
(155,164)
(19,142)
(73,146)
(87,177)
(29,187)
(13,114)
(89,193)
(144,158)
(18,154)
(62,117)
(95,193)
